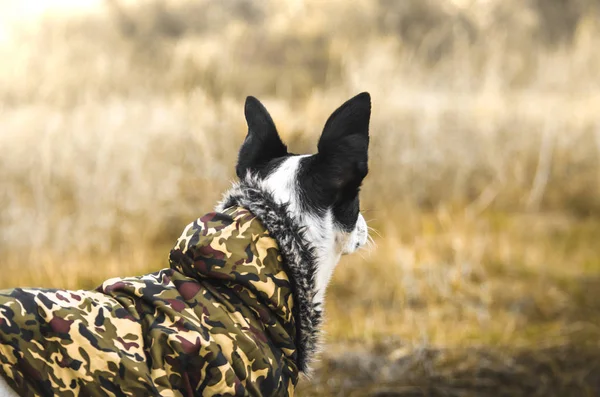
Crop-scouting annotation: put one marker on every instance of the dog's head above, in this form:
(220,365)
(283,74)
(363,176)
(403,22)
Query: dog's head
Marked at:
(322,189)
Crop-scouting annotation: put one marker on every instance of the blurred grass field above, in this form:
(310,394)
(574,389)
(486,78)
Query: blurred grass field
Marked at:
(120,122)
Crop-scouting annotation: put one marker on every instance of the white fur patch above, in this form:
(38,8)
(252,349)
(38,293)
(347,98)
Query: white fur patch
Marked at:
(6,390)
(283,183)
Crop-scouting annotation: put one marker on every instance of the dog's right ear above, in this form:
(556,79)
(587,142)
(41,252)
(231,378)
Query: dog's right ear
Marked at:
(262,143)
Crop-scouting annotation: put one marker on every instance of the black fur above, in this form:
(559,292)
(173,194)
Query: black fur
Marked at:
(332,178)
(262,144)
(299,259)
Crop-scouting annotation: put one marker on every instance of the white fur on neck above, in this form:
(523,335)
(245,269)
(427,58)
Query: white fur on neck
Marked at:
(6,390)
(282,183)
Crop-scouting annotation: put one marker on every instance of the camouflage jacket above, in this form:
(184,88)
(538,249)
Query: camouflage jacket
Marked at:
(222,320)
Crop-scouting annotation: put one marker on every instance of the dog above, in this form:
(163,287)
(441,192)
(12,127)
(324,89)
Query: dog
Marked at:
(239,309)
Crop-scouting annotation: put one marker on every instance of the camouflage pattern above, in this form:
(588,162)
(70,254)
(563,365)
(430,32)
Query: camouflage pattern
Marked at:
(218,322)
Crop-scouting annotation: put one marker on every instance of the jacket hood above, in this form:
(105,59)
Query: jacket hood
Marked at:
(299,260)
(234,248)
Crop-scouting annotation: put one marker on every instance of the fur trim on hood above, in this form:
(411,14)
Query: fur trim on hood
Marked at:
(298,256)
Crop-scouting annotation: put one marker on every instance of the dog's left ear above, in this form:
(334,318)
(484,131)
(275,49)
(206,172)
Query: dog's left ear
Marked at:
(262,143)
(344,145)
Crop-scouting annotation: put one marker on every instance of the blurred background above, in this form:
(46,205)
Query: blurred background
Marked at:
(120,122)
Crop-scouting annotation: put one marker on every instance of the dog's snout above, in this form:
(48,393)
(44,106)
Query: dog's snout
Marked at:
(358,237)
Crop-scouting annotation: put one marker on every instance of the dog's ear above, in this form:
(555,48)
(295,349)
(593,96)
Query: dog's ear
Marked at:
(344,144)
(262,143)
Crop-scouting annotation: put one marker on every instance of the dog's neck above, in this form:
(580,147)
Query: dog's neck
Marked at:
(319,230)
(326,252)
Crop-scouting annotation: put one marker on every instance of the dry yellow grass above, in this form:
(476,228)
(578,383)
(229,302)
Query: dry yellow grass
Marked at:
(120,125)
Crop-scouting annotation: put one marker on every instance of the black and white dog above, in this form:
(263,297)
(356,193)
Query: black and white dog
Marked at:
(238,312)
